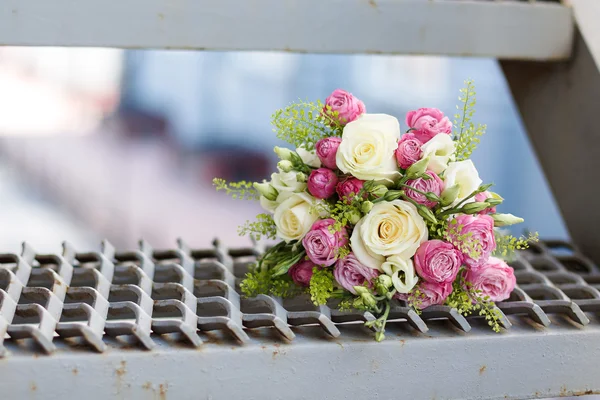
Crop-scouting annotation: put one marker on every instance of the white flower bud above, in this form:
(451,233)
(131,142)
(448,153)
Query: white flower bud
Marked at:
(506,219)
(285,165)
(266,190)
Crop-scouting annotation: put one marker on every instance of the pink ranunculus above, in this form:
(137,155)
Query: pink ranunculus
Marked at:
(301,272)
(322,182)
(482,242)
(431,294)
(322,245)
(434,185)
(349,272)
(408,151)
(494,278)
(326,150)
(481,197)
(348,107)
(428,122)
(437,261)
(348,188)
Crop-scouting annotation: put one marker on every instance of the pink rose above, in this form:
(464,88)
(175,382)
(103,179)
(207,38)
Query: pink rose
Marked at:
(428,122)
(326,150)
(481,240)
(434,185)
(437,261)
(302,272)
(431,294)
(322,182)
(348,107)
(494,278)
(321,244)
(481,197)
(408,151)
(349,272)
(349,188)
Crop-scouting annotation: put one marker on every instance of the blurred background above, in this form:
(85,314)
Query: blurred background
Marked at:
(123,145)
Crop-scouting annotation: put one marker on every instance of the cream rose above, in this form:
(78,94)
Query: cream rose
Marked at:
(309,157)
(271,205)
(440,151)
(294,216)
(465,175)
(286,184)
(392,228)
(402,273)
(368,146)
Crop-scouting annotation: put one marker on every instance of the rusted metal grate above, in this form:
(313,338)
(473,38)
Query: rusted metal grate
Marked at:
(145,293)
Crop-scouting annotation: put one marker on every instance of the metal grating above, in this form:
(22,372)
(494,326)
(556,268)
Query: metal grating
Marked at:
(139,295)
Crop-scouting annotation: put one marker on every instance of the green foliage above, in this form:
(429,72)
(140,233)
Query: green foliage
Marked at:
(439,230)
(237,190)
(281,257)
(507,245)
(263,282)
(415,300)
(463,241)
(468,136)
(263,226)
(304,123)
(321,285)
(467,301)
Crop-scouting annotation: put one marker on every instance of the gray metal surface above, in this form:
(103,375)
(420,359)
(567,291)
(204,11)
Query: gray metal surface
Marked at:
(524,362)
(146,293)
(530,30)
(171,323)
(559,103)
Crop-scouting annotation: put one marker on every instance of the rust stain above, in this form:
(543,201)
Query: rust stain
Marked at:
(339,344)
(33,386)
(210,338)
(402,342)
(576,393)
(147,386)
(563,391)
(275,353)
(75,371)
(372,3)
(122,370)
(482,369)
(162,391)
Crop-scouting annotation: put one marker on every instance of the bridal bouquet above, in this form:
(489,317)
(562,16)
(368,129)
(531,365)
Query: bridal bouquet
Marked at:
(366,215)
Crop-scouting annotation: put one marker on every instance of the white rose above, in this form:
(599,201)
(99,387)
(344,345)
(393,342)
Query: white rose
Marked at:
(402,273)
(295,216)
(271,205)
(368,146)
(287,182)
(440,151)
(309,158)
(465,175)
(392,228)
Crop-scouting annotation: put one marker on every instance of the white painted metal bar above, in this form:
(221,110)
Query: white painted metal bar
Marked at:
(505,30)
(523,363)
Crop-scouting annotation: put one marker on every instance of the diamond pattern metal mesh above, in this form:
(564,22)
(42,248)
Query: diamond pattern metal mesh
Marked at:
(87,298)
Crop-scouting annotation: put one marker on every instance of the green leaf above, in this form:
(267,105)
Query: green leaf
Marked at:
(321,285)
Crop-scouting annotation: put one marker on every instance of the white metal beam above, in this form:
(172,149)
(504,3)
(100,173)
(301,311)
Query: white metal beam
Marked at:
(507,29)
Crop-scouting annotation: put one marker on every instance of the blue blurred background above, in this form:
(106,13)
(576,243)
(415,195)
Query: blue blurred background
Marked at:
(141,133)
